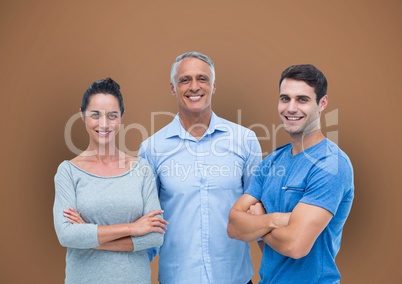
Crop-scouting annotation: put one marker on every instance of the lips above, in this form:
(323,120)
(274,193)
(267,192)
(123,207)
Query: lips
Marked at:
(194,98)
(293,118)
(103,133)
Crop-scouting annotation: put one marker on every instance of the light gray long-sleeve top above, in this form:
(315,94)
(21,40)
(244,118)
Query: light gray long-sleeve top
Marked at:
(104,201)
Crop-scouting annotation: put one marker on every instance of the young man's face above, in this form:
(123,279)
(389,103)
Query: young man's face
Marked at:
(193,86)
(298,108)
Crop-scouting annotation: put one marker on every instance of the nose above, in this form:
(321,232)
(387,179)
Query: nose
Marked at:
(103,122)
(292,106)
(194,86)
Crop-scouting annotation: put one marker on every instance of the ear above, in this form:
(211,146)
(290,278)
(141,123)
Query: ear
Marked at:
(214,88)
(323,103)
(82,115)
(172,90)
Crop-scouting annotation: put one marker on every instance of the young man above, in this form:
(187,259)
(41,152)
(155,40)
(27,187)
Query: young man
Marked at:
(306,188)
(203,164)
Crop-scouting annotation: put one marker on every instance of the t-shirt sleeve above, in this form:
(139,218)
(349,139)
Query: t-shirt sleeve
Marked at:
(81,236)
(256,185)
(329,181)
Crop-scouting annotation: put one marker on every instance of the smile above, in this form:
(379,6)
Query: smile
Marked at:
(294,118)
(194,98)
(103,132)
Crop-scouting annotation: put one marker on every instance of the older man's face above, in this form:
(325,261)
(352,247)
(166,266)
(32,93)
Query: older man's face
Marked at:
(193,86)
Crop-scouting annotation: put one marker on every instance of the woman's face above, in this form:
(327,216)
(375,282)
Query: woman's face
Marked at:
(102,119)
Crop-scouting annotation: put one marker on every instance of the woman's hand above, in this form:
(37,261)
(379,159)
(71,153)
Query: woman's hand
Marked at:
(149,223)
(146,224)
(73,216)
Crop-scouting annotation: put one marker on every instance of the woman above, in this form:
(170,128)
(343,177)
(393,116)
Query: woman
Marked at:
(106,209)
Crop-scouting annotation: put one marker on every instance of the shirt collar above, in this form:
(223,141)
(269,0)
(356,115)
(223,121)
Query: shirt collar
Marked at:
(176,129)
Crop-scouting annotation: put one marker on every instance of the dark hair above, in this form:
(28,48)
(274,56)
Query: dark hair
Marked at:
(105,86)
(309,74)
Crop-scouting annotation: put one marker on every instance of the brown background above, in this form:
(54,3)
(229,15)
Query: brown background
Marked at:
(51,51)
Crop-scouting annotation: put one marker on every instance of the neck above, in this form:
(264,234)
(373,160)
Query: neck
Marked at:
(302,142)
(196,123)
(104,153)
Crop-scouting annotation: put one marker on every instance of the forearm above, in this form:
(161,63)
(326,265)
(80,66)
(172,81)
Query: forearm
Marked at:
(296,240)
(111,238)
(146,229)
(247,227)
(112,232)
(149,223)
(147,241)
(80,236)
(122,244)
(133,243)
(283,241)
(90,235)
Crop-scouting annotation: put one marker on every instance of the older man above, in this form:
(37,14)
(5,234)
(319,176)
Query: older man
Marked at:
(203,165)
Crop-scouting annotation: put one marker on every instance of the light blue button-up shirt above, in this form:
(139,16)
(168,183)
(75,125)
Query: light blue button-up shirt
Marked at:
(198,183)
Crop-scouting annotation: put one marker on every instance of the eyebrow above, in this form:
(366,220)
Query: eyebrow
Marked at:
(196,76)
(297,97)
(102,109)
(303,97)
(97,111)
(183,77)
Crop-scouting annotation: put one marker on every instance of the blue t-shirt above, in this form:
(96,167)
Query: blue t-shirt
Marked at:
(322,176)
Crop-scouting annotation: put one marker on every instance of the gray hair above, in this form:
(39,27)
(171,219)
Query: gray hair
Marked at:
(192,54)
